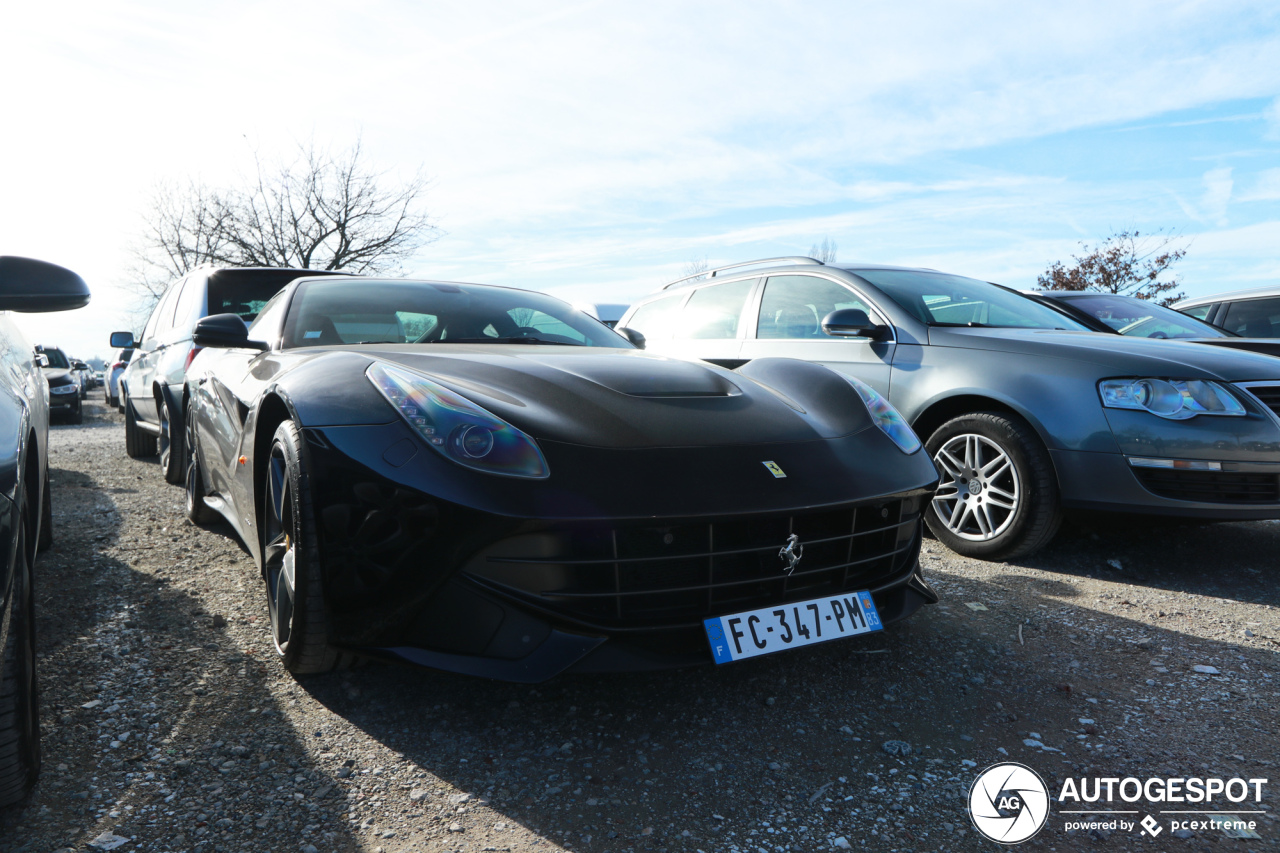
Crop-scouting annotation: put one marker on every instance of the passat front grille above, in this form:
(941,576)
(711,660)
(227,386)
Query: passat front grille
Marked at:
(1267,395)
(638,576)
(1211,486)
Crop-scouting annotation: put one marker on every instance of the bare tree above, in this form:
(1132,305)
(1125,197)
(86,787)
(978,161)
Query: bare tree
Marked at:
(318,211)
(824,251)
(696,267)
(1126,263)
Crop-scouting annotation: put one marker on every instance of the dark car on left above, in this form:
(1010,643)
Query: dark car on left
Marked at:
(25,507)
(65,388)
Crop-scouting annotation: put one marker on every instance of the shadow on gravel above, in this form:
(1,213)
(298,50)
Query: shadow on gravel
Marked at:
(156,728)
(1225,560)
(791,749)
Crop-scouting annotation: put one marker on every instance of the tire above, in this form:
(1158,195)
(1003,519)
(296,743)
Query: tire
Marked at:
(170,446)
(198,511)
(998,498)
(137,443)
(19,699)
(295,598)
(45,540)
(77,417)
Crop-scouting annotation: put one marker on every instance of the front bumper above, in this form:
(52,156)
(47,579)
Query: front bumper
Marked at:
(417,577)
(1109,482)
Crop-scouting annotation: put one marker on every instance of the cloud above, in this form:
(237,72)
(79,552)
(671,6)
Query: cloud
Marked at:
(1217,195)
(1265,188)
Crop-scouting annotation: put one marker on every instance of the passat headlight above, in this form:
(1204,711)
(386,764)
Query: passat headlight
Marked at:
(458,428)
(886,417)
(1175,399)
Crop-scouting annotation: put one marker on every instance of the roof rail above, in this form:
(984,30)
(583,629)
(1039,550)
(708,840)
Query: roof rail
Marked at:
(795,259)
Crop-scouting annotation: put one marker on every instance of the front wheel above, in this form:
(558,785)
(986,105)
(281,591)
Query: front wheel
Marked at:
(998,497)
(170,445)
(136,442)
(295,597)
(197,510)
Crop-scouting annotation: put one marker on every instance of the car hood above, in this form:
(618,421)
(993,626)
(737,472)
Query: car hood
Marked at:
(605,397)
(58,375)
(1117,355)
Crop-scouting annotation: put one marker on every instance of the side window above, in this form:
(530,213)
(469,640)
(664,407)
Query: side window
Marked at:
(266,326)
(655,320)
(715,312)
(157,323)
(793,306)
(544,324)
(1254,318)
(1200,312)
(190,303)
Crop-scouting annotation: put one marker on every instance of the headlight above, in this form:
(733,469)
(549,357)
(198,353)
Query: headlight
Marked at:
(457,428)
(62,389)
(1175,399)
(886,417)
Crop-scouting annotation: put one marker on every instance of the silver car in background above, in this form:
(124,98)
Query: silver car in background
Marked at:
(1026,412)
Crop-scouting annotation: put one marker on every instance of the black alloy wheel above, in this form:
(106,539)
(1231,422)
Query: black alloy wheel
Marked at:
(198,511)
(19,699)
(137,444)
(998,495)
(295,599)
(170,446)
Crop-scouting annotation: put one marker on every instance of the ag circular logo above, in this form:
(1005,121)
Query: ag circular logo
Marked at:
(1009,803)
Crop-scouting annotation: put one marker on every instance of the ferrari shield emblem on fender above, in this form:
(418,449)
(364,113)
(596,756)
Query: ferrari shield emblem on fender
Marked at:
(775,470)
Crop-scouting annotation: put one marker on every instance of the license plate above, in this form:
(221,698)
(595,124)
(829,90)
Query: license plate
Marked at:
(802,623)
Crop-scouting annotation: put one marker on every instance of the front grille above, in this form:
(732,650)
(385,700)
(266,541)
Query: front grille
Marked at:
(1267,395)
(671,574)
(1211,486)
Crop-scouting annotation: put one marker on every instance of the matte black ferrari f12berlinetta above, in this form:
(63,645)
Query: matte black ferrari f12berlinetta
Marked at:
(486,480)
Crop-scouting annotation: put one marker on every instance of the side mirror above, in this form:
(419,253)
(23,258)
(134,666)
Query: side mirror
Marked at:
(224,331)
(79,365)
(123,340)
(636,339)
(41,360)
(852,323)
(28,285)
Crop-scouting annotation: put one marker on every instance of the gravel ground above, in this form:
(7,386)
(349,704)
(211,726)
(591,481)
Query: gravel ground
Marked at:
(169,726)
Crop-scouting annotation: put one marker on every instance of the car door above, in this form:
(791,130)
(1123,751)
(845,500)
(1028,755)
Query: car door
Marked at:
(788,324)
(142,371)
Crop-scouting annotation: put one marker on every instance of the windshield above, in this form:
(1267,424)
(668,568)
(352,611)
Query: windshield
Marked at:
(57,358)
(939,299)
(1142,319)
(359,311)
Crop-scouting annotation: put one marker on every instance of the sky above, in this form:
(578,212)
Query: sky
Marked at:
(595,149)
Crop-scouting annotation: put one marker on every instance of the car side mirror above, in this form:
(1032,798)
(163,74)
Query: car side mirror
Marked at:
(224,331)
(636,339)
(29,285)
(79,365)
(852,323)
(123,340)
(41,360)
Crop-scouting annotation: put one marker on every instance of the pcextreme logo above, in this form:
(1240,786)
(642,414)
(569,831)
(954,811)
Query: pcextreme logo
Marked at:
(1009,804)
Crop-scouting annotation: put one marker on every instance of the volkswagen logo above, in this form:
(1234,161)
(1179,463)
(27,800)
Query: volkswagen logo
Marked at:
(1009,803)
(792,552)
